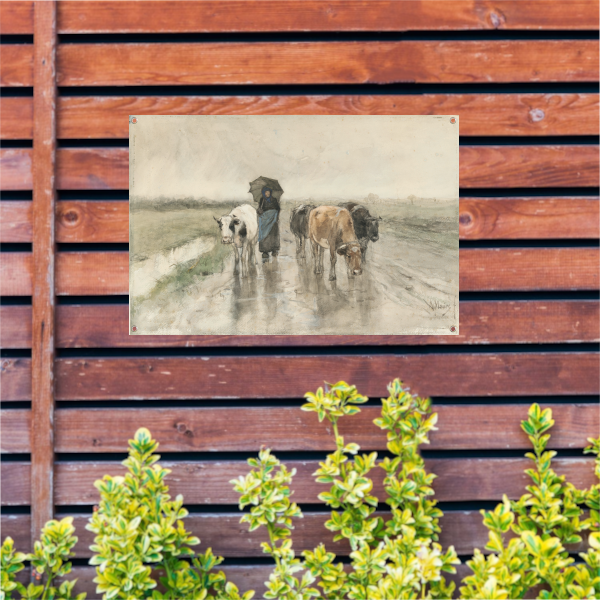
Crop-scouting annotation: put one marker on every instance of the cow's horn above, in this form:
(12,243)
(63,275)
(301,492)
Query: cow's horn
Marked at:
(215,218)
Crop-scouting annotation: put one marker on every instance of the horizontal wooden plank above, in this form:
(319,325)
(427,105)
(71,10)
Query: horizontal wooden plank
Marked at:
(529,166)
(109,274)
(480,269)
(507,374)
(211,63)
(16,379)
(16,326)
(92,221)
(15,168)
(480,166)
(502,269)
(16,431)
(480,114)
(337,15)
(16,17)
(529,218)
(15,221)
(228,538)
(17,65)
(510,322)
(480,218)
(16,114)
(289,429)
(458,480)
(210,16)
(15,478)
(480,322)
(92,168)
(15,271)
(18,527)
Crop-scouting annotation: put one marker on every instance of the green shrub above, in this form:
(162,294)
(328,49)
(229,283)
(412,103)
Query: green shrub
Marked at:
(142,549)
(397,559)
(139,530)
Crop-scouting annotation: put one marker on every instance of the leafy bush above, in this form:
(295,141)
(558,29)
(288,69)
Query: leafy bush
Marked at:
(49,558)
(389,560)
(545,519)
(139,528)
(142,549)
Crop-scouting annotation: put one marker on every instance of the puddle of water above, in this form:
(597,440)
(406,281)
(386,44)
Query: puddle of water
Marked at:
(147,272)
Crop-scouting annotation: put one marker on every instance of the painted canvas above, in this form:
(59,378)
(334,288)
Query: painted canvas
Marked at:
(293,225)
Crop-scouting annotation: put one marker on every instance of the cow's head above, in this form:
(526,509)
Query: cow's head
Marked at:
(373,228)
(232,228)
(352,252)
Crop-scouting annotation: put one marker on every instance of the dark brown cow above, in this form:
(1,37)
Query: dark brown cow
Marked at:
(330,227)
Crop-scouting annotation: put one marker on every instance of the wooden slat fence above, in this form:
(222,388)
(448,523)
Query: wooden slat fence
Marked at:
(522,75)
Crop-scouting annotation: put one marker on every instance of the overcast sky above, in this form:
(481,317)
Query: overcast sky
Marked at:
(319,157)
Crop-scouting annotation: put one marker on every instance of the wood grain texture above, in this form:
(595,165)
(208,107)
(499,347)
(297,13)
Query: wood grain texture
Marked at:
(246,577)
(16,221)
(480,166)
(15,168)
(481,269)
(480,219)
(462,479)
(240,63)
(16,379)
(16,326)
(290,429)
(480,114)
(15,490)
(93,168)
(336,15)
(17,65)
(92,221)
(16,114)
(15,271)
(92,273)
(529,166)
(510,322)
(251,377)
(16,431)
(16,17)
(502,269)
(17,527)
(529,218)
(227,537)
(44,249)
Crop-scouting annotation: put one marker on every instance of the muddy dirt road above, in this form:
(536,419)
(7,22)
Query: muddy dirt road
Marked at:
(408,286)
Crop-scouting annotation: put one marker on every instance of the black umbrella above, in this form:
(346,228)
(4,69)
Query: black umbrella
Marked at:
(257,185)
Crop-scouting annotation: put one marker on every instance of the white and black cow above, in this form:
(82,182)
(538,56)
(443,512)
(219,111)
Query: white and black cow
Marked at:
(240,229)
(365,225)
(299,226)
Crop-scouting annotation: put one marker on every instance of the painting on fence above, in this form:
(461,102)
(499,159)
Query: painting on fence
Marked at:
(293,225)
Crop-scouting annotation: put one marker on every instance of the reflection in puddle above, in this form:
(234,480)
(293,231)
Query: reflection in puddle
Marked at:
(148,271)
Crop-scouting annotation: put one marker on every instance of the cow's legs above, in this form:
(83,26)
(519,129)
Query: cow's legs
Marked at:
(315,249)
(364,253)
(333,259)
(301,244)
(244,258)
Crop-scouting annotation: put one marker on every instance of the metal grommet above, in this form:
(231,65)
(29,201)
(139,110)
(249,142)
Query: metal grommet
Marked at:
(452,120)
(452,329)
(133,120)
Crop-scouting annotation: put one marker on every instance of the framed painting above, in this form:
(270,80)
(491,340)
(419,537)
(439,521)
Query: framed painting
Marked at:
(293,225)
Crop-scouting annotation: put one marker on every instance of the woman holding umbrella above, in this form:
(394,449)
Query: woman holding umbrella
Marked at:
(268,224)
(267,192)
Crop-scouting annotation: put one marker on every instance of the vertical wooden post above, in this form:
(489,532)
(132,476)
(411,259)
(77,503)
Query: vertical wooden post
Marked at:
(42,349)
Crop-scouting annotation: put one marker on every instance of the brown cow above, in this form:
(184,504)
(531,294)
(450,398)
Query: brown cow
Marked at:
(331,227)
